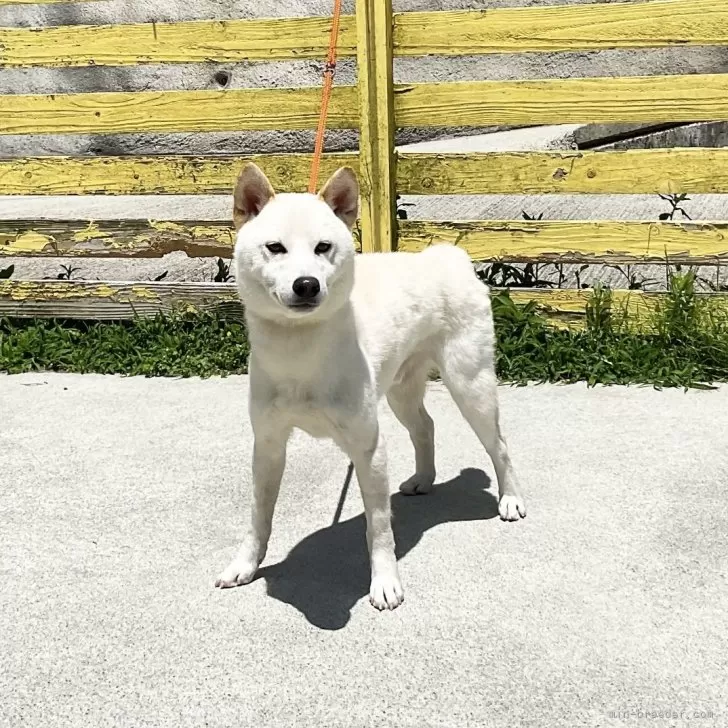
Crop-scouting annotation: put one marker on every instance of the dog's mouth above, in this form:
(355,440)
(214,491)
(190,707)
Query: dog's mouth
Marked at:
(303,306)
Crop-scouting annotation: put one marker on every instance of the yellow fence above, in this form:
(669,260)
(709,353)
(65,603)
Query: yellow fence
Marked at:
(376,106)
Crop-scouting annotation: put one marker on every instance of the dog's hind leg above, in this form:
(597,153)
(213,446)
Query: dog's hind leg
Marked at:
(467,371)
(406,398)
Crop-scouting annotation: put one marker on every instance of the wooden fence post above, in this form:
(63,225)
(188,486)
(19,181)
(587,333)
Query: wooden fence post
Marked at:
(376,111)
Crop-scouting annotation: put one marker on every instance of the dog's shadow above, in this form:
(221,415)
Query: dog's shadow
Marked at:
(324,575)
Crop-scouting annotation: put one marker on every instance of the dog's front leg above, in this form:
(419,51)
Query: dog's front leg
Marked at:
(269,460)
(370,464)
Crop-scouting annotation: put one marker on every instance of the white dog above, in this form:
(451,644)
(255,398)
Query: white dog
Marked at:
(331,332)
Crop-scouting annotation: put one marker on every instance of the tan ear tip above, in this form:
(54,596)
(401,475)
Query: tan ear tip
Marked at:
(349,171)
(249,167)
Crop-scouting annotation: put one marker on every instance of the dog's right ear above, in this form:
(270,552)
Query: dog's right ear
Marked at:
(252,193)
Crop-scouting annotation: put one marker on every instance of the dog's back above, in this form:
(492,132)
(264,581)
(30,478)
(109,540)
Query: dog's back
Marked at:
(410,303)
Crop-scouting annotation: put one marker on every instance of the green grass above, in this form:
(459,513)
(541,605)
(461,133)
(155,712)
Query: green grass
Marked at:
(685,345)
(167,346)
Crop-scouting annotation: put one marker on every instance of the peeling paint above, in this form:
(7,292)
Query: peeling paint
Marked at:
(223,236)
(140,292)
(27,242)
(103,291)
(92,232)
(167,226)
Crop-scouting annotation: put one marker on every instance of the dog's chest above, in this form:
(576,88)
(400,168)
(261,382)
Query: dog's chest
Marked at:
(307,408)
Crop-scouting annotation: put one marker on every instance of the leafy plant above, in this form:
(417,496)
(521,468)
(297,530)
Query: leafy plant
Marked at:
(679,312)
(599,310)
(356,234)
(561,279)
(526,216)
(634,280)
(716,285)
(505,275)
(675,202)
(223,272)
(577,275)
(67,272)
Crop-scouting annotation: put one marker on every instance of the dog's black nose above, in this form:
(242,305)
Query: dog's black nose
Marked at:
(306,287)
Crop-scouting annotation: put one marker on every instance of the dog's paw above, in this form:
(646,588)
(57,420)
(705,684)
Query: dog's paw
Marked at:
(239,572)
(511,508)
(418,484)
(386,592)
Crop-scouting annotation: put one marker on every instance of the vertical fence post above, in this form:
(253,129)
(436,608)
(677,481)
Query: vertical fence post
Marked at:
(376,112)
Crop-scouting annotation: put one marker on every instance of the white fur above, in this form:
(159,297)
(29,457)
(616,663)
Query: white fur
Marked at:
(384,321)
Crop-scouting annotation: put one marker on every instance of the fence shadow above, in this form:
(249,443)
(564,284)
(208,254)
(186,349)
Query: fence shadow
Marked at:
(325,574)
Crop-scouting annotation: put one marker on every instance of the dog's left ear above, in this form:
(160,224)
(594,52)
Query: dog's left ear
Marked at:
(341,194)
(252,193)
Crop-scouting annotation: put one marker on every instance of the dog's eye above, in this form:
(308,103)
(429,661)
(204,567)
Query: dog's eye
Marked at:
(275,248)
(322,248)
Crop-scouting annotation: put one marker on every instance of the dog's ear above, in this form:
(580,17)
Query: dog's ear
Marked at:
(341,194)
(252,193)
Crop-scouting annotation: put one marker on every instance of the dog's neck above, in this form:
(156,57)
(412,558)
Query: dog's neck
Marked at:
(288,339)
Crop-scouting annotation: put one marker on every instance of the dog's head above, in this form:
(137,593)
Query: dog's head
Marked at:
(294,253)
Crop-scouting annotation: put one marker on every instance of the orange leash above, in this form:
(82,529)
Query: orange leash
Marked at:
(329,71)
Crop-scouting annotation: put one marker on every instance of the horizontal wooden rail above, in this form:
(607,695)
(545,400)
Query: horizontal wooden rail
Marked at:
(185,42)
(118,301)
(461,32)
(634,171)
(574,242)
(518,240)
(112,301)
(477,103)
(562,28)
(173,175)
(700,97)
(566,308)
(115,238)
(169,111)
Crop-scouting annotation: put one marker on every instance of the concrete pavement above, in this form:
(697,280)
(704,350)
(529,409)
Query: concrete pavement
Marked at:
(121,499)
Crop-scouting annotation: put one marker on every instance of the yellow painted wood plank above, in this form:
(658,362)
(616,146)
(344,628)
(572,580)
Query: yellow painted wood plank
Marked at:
(169,111)
(573,241)
(557,241)
(113,301)
(639,171)
(562,28)
(184,42)
(115,238)
(509,30)
(173,175)
(376,105)
(633,171)
(699,97)
(566,308)
(103,301)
